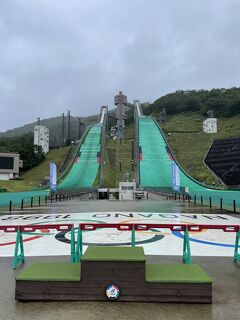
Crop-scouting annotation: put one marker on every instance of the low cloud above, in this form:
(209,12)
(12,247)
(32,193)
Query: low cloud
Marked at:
(72,54)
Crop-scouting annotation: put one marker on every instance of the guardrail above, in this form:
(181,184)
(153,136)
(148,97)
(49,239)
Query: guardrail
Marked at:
(19,249)
(77,246)
(59,195)
(206,200)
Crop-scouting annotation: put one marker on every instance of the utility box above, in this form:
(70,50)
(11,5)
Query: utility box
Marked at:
(127,190)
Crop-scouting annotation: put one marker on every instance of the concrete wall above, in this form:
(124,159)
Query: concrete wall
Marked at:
(5,176)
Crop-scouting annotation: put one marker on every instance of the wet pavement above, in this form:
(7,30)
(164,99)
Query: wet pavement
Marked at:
(226,293)
(162,206)
(225,274)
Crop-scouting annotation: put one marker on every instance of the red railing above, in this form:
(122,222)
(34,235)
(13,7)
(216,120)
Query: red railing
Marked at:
(32,228)
(147,226)
(76,252)
(122,227)
(94,226)
(172,227)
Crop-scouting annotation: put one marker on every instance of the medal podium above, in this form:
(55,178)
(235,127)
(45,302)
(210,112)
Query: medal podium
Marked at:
(114,273)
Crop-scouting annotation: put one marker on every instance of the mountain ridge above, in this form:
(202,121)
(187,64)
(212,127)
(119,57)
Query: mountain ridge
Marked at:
(54,124)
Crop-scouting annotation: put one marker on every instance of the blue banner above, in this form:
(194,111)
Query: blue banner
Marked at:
(175,177)
(53,176)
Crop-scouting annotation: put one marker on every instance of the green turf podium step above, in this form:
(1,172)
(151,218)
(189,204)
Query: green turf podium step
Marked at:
(51,272)
(114,254)
(176,273)
(117,263)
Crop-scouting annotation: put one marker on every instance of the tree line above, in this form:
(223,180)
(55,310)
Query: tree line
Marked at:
(224,102)
(32,155)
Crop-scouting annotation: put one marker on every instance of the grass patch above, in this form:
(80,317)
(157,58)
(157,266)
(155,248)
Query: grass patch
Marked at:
(190,144)
(118,159)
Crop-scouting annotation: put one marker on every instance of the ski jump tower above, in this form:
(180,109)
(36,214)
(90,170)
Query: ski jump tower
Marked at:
(120,101)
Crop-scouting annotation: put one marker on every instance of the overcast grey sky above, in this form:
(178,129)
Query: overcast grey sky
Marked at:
(60,54)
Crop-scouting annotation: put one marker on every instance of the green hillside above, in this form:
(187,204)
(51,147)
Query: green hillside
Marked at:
(31,178)
(190,144)
(117,158)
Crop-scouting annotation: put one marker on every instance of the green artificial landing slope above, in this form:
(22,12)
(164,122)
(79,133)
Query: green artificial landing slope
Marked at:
(85,167)
(156,167)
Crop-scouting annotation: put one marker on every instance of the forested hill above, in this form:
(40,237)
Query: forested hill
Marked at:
(55,126)
(224,102)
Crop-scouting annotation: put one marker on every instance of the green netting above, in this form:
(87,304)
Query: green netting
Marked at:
(187,273)
(102,253)
(16,197)
(85,167)
(156,167)
(51,272)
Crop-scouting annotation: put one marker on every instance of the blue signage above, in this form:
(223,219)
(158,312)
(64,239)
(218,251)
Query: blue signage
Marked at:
(53,176)
(175,177)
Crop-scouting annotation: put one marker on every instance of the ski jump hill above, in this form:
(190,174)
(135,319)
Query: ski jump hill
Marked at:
(81,172)
(156,167)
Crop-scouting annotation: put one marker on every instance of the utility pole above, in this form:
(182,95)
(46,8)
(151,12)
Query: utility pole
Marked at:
(80,128)
(38,123)
(63,130)
(69,124)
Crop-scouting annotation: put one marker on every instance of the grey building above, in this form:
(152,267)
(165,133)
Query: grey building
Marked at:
(9,165)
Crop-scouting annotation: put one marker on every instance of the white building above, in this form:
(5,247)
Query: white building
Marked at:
(210,125)
(126,190)
(41,137)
